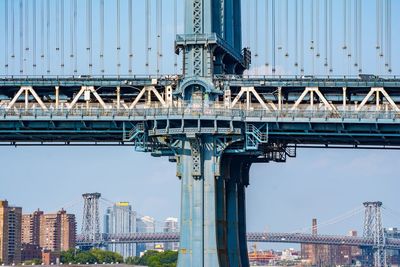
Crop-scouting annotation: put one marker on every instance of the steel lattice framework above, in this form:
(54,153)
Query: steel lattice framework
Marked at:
(91,219)
(391,243)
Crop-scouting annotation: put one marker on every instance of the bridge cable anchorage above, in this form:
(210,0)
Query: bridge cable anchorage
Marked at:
(130,36)
(101,55)
(6,36)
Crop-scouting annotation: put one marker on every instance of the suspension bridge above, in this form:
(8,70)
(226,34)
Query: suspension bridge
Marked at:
(214,116)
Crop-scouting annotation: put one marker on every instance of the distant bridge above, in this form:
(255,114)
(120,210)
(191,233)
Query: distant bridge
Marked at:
(391,243)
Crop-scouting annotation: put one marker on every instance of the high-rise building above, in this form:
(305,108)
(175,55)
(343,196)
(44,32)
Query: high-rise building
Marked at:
(55,232)
(171,226)
(3,231)
(121,219)
(145,224)
(14,235)
(31,228)
(10,233)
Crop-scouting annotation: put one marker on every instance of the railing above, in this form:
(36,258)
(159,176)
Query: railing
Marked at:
(205,112)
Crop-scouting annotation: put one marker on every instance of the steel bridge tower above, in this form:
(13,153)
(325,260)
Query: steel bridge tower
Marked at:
(213,212)
(373,229)
(91,219)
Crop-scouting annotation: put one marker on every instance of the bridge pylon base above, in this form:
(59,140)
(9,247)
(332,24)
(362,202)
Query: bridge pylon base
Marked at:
(213,217)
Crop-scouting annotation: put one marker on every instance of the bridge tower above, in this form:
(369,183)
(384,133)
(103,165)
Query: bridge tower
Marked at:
(91,220)
(213,213)
(373,229)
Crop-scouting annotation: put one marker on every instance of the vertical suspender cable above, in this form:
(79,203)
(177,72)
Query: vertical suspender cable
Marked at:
(389,44)
(267,34)
(355,33)
(102,36)
(62,36)
(378,29)
(148,29)
(75,36)
(302,36)
(12,34)
(118,36)
(175,32)
(57,25)
(26,35)
(48,35)
(386,33)
(317,30)
(360,48)
(6,35)
(326,35)
(344,47)
(89,33)
(274,38)
(34,36)
(159,35)
(256,36)
(130,22)
(312,40)
(296,43)
(42,35)
(287,28)
(71,34)
(330,37)
(21,37)
(279,24)
(349,35)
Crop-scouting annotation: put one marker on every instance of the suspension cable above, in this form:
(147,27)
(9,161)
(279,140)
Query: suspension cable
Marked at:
(71,33)
(386,33)
(130,22)
(330,38)
(267,34)
(356,57)
(48,35)
(159,35)
(57,25)
(360,47)
(287,28)
(89,33)
(62,36)
(6,35)
(21,37)
(12,34)
(296,37)
(34,36)
(175,32)
(349,36)
(326,35)
(148,29)
(389,44)
(302,36)
(42,35)
(26,35)
(118,36)
(274,38)
(317,30)
(101,55)
(75,55)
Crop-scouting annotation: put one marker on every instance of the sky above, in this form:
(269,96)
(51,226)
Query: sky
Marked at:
(284,197)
